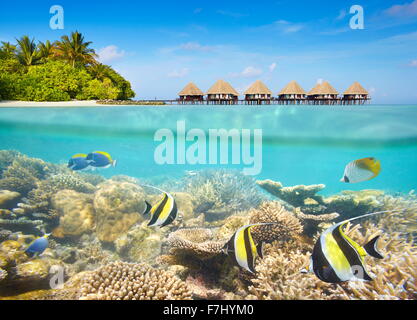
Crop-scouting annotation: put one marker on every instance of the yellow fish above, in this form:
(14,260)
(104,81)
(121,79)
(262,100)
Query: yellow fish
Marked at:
(361,170)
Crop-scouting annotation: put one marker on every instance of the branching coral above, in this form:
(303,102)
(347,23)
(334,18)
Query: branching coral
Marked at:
(6,159)
(220,193)
(279,277)
(285,225)
(127,281)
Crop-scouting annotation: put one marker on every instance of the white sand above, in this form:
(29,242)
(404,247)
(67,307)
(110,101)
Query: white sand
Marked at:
(26,104)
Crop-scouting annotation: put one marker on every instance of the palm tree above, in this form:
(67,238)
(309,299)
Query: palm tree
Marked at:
(73,49)
(27,52)
(8,49)
(99,71)
(46,50)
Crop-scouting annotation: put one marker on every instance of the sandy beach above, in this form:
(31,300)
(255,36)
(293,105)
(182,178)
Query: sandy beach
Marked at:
(64,104)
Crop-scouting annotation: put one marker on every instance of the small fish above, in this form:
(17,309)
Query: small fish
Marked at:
(337,258)
(100,159)
(361,170)
(37,246)
(78,162)
(243,247)
(163,212)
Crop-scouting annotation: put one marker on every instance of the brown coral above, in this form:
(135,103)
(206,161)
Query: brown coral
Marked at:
(118,206)
(286,226)
(128,281)
(76,212)
(296,196)
(195,241)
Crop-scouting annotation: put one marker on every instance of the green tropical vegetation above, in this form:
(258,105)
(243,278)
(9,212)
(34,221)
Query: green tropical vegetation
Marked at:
(58,71)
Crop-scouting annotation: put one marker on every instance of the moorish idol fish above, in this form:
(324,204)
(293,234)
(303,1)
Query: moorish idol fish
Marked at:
(337,258)
(163,212)
(37,246)
(100,159)
(243,247)
(361,170)
(78,162)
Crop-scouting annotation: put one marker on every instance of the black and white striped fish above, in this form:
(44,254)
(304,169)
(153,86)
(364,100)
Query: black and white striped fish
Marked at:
(337,258)
(163,212)
(243,247)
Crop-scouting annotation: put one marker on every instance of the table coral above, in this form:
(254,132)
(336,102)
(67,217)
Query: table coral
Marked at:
(295,196)
(127,281)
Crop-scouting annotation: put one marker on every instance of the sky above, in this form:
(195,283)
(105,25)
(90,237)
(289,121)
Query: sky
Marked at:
(159,46)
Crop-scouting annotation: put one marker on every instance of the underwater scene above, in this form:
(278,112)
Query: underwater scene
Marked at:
(208,203)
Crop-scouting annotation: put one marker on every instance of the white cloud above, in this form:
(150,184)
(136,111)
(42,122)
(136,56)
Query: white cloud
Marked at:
(179,73)
(320,81)
(413,63)
(195,46)
(293,28)
(272,67)
(232,14)
(248,72)
(341,15)
(403,10)
(110,53)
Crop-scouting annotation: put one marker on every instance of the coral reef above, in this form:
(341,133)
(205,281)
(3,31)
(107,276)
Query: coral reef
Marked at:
(285,225)
(8,199)
(140,244)
(126,281)
(279,277)
(295,196)
(194,241)
(76,212)
(118,206)
(218,193)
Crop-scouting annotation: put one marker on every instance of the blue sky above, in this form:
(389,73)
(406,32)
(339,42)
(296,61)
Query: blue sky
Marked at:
(161,45)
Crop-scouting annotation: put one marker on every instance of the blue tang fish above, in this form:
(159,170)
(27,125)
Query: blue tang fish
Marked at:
(38,246)
(78,162)
(100,159)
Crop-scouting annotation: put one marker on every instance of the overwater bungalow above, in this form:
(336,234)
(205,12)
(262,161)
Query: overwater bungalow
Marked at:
(293,93)
(355,94)
(222,93)
(191,94)
(323,93)
(258,93)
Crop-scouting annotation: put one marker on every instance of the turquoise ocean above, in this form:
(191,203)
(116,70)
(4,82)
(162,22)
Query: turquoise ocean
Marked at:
(300,144)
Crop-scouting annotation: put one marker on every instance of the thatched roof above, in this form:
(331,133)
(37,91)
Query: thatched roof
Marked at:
(292,88)
(323,88)
(191,90)
(258,87)
(356,88)
(222,87)
(315,90)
